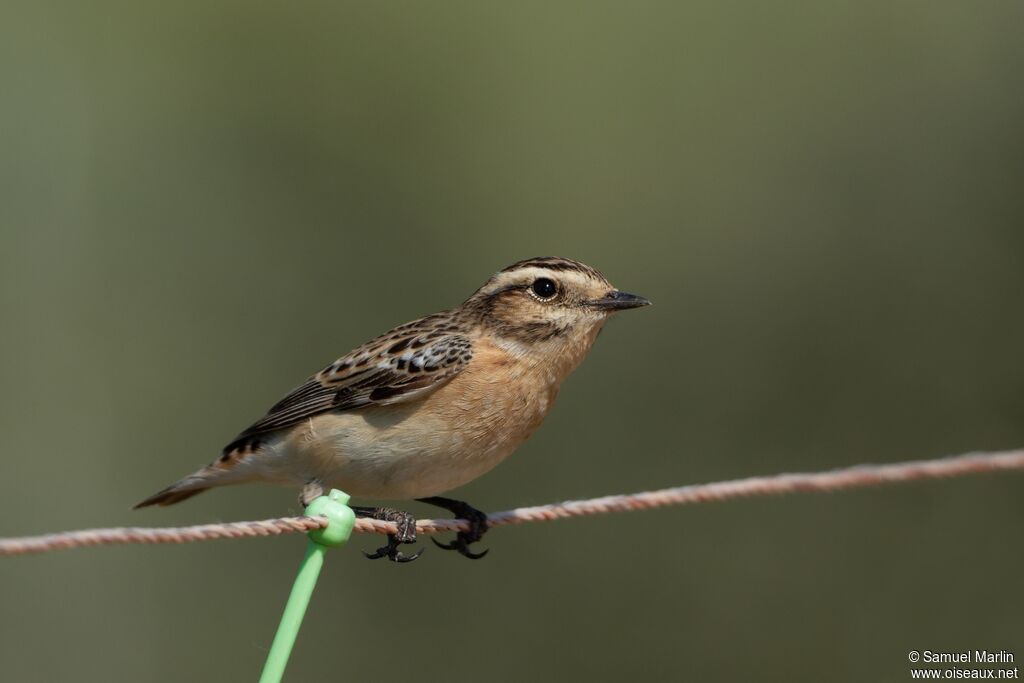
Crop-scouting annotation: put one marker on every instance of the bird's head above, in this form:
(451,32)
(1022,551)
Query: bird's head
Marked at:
(549,303)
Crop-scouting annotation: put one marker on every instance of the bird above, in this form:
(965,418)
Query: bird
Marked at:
(429,405)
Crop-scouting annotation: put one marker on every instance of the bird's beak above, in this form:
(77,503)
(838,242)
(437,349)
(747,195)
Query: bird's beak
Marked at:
(619,301)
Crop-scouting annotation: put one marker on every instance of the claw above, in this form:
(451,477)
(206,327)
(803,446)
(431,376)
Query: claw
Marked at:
(406,533)
(392,552)
(377,554)
(463,539)
(444,546)
(462,546)
(399,557)
(466,552)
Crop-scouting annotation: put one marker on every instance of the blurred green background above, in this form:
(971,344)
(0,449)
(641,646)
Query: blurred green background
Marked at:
(201,203)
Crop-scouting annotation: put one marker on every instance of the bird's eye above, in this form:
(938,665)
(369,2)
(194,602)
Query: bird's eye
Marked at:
(544,288)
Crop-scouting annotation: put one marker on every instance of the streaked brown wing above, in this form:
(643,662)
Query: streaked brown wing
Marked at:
(393,368)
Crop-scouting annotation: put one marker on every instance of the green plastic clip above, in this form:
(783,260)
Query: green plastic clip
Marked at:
(339,528)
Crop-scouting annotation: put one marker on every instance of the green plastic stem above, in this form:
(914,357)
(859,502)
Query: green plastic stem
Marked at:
(339,529)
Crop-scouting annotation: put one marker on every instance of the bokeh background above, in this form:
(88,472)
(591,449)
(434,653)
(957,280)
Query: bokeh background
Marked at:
(201,203)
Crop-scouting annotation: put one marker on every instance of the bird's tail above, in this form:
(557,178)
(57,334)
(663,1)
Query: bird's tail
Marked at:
(169,496)
(232,467)
(192,485)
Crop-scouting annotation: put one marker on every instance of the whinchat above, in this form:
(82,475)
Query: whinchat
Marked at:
(430,405)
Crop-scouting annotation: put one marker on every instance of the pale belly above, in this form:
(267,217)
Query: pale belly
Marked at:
(407,450)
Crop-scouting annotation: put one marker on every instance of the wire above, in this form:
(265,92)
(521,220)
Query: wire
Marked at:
(833,480)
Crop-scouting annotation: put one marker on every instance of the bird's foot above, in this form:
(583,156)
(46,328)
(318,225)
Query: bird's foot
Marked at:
(406,524)
(463,539)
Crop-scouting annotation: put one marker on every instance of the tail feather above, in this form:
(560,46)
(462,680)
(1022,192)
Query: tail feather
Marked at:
(171,495)
(220,473)
(193,484)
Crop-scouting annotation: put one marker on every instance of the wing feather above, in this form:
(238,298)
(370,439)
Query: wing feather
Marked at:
(403,365)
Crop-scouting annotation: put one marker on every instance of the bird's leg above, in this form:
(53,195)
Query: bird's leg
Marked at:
(477,525)
(310,492)
(406,524)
